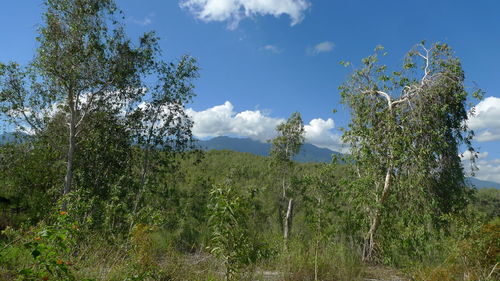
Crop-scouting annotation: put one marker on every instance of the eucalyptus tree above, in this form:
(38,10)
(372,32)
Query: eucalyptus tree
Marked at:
(160,124)
(84,64)
(284,146)
(405,132)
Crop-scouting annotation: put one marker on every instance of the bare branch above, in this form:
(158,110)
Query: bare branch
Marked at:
(394,103)
(382,94)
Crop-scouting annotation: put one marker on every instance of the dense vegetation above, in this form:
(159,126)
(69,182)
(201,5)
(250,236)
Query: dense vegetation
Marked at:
(105,183)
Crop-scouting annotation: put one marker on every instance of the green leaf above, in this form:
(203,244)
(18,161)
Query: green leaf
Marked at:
(36,253)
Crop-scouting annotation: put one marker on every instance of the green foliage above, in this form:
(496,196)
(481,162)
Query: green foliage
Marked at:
(487,201)
(50,249)
(107,122)
(473,254)
(404,134)
(87,76)
(287,143)
(31,175)
(230,240)
(289,140)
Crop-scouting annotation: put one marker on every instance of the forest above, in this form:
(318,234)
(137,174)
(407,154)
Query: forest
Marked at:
(101,177)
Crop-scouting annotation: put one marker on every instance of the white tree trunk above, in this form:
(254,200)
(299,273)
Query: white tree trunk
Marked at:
(369,243)
(287,223)
(68,179)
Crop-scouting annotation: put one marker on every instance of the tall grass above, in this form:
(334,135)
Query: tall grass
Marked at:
(327,260)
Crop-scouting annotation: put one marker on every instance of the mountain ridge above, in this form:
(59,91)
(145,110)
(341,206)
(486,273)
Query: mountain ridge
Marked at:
(308,153)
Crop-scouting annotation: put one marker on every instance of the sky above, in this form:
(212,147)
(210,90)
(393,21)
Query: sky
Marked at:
(261,60)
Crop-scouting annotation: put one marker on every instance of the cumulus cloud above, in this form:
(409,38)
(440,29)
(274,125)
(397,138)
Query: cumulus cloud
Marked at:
(323,47)
(487,169)
(271,48)
(222,120)
(486,120)
(233,11)
(319,132)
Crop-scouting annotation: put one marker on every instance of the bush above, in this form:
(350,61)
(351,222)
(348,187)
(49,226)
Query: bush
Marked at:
(50,248)
(230,239)
(473,258)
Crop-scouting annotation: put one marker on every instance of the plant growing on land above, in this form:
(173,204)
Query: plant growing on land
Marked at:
(320,196)
(160,125)
(405,131)
(230,239)
(85,64)
(51,248)
(284,146)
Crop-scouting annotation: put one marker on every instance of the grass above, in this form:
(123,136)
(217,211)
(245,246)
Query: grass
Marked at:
(149,255)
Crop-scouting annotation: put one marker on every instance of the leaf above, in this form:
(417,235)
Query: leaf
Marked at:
(26,272)
(36,253)
(345,63)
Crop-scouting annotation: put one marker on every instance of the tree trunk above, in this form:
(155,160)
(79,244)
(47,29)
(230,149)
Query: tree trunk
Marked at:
(287,223)
(142,187)
(369,243)
(68,180)
(145,168)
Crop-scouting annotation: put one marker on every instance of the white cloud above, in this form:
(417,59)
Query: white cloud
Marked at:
(323,47)
(234,11)
(486,120)
(467,155)
(487,169)
(221,120)
(319,132)
(271,48)
(147,20)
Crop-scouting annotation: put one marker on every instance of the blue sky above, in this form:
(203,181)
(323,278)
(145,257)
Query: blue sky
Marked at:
(263,59)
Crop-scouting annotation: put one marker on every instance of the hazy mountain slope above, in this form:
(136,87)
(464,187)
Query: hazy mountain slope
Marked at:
(308,152)
(483,184)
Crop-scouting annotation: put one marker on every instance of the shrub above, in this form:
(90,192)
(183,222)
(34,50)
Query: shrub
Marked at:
(229,234)
(50,248)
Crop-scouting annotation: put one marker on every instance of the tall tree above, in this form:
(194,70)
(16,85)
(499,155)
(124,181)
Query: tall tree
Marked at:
(160,124)
(284,146)
(405,132)
(85,64)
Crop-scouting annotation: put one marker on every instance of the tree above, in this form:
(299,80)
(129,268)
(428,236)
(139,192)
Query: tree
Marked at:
(284,146)
(160,124)
(405,132)
(86,64)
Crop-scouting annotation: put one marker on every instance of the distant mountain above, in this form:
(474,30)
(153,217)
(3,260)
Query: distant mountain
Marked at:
(484,184)
(308,152)
(10,137)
